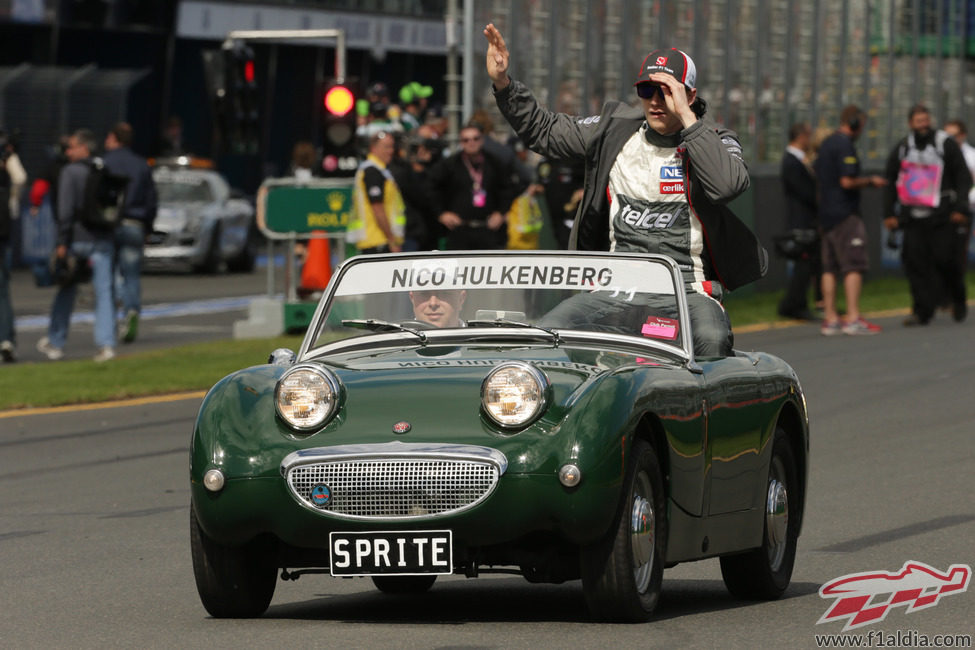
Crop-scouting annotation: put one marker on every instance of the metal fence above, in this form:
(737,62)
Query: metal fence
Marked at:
(762,64)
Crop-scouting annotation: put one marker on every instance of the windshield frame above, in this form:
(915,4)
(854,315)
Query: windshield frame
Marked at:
(482,335)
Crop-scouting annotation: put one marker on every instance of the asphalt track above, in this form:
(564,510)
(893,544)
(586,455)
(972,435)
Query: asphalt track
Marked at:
(177,308)
(94,548)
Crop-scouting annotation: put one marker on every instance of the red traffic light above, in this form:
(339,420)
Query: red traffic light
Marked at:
(249,71)
(339,100)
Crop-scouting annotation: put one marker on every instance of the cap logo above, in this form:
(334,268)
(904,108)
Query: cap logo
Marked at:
(661,60)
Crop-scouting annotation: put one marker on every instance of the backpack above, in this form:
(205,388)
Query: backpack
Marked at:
(104,196)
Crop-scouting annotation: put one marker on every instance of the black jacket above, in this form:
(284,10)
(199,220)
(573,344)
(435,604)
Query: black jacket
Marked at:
(141,201)
(714,174)
(799,186)
(453,188)
(956,181)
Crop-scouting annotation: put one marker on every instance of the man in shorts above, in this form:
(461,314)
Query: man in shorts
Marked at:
(844,243)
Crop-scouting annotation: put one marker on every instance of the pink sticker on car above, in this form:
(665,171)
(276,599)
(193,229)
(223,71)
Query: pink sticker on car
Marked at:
(660,328)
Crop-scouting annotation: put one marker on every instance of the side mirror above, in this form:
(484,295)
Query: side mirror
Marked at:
(282,357)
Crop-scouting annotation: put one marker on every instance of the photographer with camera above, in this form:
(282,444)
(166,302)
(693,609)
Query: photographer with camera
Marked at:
(799,186)
(422,147)
(80,247)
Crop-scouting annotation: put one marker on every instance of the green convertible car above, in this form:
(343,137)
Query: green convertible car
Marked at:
(536,412)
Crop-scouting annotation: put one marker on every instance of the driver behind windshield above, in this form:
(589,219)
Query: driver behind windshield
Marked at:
(440,308)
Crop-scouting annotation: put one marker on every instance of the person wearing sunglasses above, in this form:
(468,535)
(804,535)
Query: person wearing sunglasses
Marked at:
(658,177)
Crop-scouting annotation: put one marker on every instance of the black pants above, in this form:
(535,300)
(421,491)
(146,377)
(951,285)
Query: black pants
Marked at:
(597,311)
(805,272)
(932,265)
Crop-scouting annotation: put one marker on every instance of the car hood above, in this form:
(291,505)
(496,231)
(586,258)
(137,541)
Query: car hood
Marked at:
(437,389)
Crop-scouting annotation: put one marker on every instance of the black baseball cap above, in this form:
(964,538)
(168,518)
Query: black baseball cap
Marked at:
(670,61)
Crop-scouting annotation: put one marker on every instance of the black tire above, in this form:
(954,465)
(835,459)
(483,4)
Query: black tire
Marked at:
(211,263)
(245,261)
(404,584)
(233,581)
(616,587)
(764,573)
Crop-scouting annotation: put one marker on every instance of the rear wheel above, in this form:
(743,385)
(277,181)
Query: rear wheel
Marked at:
(233,581)
(622,574)
(404,584)
(764,573)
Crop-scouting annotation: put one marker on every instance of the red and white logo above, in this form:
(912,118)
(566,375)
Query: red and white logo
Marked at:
(865,598)
(661,60)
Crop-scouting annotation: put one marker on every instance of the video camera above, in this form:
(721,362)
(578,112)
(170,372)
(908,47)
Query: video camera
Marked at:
(433,150)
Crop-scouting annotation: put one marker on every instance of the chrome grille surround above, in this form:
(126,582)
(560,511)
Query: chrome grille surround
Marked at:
(394,481)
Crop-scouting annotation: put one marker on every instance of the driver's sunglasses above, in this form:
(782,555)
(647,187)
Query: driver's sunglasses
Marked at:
(647,90)
(443,295)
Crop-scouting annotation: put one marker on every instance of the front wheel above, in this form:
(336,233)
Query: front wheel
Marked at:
(211,261)
(622,574)
(404,584)
(233,581)
(764,573)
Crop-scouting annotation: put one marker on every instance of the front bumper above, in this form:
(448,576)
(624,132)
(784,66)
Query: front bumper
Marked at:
(521,504)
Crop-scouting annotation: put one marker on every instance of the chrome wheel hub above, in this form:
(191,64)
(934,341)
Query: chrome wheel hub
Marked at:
(642,530)
(776,521)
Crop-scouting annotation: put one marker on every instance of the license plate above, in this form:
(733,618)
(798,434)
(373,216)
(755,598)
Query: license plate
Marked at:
(414,552)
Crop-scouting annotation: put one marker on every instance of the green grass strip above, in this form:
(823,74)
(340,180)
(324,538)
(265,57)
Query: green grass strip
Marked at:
(199,366)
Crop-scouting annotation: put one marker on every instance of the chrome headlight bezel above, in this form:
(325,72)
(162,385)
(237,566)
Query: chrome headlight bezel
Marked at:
(315,379)
(530,385)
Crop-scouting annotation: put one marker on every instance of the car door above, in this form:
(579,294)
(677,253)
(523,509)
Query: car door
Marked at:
(733,434)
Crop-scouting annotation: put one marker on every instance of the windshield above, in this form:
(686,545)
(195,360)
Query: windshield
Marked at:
(182,187)
(545,295)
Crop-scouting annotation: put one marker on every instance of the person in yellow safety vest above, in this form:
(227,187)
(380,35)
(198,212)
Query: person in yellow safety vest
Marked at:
(379,220)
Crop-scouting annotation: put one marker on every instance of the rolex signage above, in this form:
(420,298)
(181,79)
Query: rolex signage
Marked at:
(306,208)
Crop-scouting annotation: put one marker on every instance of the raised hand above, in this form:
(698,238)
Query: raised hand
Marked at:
(497,57)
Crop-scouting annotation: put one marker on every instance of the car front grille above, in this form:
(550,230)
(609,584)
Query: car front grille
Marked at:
(393,488)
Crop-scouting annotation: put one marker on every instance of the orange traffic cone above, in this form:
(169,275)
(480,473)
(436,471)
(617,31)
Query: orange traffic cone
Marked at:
(317,270)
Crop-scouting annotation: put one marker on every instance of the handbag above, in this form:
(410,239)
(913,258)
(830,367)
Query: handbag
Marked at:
(796,243)
(70,269)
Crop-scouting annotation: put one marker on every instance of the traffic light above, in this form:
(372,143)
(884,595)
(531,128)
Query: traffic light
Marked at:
(338,118)
(244,97)
(232,80)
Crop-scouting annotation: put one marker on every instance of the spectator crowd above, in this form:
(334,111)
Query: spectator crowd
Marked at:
(416,190)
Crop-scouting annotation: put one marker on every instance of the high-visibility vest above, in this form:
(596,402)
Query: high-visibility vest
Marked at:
(362,229)
(524,223)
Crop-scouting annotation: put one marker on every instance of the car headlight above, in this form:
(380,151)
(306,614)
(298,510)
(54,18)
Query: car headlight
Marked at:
(514,394)
(306,397)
